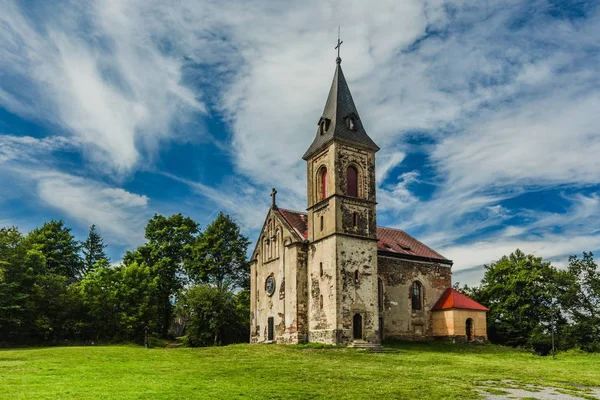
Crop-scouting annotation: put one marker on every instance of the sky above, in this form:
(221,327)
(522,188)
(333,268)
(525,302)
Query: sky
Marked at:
(487,115)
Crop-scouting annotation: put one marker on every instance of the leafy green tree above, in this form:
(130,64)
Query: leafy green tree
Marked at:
(93,250)
(169,245)
(120,301)
(11,292)
(59,248)
(219,255)
(581,300)
(521,292)
(213,316)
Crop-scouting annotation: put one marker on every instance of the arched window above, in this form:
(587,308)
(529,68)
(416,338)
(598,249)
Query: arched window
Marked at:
(352,181)
(323,183)
(416,294)
(356,277)
(276,244)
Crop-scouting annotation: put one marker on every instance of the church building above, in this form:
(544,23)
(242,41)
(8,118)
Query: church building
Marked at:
(331,275)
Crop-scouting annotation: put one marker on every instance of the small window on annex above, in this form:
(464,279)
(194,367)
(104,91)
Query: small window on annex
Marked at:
(416,294)
(352,181)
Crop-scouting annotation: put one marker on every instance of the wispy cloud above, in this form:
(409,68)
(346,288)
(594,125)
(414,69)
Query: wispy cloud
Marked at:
(97,74)
(502,96)
(119,214)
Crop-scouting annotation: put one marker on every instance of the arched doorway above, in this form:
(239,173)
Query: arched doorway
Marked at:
(469,329)
(357,326)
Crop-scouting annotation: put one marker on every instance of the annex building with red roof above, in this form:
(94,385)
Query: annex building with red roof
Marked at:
(331,274)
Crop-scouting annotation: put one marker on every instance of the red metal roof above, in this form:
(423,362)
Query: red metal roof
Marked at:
(452,298)
(390,240)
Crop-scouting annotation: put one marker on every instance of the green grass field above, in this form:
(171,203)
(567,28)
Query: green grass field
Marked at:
(417,371)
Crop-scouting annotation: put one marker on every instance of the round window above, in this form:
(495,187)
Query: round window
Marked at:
(270,285)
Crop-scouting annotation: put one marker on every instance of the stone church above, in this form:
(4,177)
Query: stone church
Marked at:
(331,275)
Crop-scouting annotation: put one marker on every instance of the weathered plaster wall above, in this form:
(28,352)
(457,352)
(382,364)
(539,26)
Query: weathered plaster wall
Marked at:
(322,291)
(357,280)
(284,257)
(451,324)
(397,275)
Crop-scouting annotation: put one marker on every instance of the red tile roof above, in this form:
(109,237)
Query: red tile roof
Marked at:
(452,298)
(298,221)
(394,241)
(397,241)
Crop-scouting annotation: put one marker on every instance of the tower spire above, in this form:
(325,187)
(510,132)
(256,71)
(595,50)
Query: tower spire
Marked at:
(340,119)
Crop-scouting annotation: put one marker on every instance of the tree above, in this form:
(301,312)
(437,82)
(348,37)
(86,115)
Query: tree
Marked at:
(59,248)
(213,316)
(11,295)
(581,300)
(121,301)
(168,247)
(219,255)
(93,250)
(520,291)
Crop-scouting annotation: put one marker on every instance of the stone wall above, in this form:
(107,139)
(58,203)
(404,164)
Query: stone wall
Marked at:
(322,291)
(397,275)
(357,280)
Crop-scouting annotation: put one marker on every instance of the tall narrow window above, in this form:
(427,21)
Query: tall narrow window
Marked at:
(416,294)
(322,222)
(380,293)
(323,184)
(352,181)
(356,277)
(355,219)
(320,269)
(270,329)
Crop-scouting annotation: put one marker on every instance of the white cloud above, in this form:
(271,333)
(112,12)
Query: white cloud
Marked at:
(504,109)
(109,86)
(27,148)
(119,214)
(549,247)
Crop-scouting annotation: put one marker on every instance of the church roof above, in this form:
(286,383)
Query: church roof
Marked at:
(397,241)
(452,298)
(338,107)
(297,220)
(390,240)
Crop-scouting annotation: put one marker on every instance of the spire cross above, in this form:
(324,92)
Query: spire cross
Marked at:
(339,45)
(273,194)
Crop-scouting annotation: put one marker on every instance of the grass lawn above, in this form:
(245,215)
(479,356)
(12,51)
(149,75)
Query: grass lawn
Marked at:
(417,371)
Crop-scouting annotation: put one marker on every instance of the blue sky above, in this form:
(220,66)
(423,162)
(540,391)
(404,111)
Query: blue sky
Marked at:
(487,115)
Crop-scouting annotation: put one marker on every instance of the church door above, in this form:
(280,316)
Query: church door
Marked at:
(357,326)
(469,329)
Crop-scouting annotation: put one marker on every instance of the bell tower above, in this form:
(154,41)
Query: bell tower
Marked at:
(342,224)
